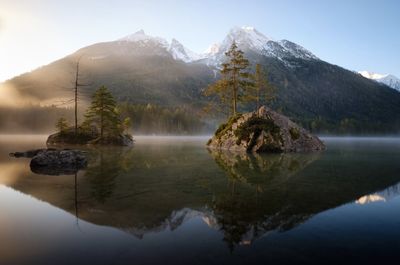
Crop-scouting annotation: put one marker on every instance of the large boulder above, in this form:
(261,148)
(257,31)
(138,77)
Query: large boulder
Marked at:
(264,131)
(58,162)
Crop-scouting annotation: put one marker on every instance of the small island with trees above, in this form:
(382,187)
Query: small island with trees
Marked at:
(262,130)
(102,125)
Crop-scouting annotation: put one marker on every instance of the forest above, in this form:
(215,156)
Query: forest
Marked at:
(146,119)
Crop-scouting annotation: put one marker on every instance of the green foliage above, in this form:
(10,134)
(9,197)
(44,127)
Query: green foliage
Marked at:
(83,136)
(224,127)
(263,92)
(151,118)
(127,123)
(256,125)
(236,79)
(103,113)
(62,125)
(294,133)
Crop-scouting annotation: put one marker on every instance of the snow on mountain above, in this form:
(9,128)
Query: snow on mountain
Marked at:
(180,52)
(249,39)
(371,75)
(387,79)
(141,36)
(246,37)
(391,81)
(175,48)
(381,196)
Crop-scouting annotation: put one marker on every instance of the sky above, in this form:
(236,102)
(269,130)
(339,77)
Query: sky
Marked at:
(355,34)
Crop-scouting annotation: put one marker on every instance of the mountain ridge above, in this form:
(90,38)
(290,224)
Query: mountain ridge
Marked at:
(387,79)
(142,69)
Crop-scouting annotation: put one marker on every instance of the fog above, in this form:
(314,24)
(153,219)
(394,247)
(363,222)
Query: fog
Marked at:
(10,97)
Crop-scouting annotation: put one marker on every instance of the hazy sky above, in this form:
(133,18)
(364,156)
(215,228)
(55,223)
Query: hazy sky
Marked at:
(355,34)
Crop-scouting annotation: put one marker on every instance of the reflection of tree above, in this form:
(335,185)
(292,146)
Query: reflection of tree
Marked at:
(104,169)
(255,201)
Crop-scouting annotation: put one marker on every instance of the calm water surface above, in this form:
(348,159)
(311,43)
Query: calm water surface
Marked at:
(170,201)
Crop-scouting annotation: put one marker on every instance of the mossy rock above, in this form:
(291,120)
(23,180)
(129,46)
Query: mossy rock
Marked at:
(264,131)
(86,136)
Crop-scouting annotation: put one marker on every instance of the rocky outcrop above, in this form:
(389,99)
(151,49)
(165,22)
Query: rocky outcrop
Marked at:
(264,131)
(87,137)
(54,162)
(29,153)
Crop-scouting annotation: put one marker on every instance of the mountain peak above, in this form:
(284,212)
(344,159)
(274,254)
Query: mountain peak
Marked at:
(180,52)
(372,75)
(248,36)
(387,79)
(142,36)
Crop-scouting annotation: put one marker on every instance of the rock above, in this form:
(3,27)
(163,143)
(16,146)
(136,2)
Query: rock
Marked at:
(264,131)
(69,137)
(87,137)
(30,153)
(120,140)
(58,162)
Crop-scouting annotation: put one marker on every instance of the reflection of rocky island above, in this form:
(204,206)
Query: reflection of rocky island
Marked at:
(159,187)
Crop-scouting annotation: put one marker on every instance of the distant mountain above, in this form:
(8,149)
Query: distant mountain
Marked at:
(175,48)
(249,39)
(387,79)
(143,69)
(137,68)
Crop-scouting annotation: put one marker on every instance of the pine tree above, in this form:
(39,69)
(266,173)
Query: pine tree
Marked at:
(235,81)
(62,125)
(223,100)
(263,91)
(126,124)
(103,113)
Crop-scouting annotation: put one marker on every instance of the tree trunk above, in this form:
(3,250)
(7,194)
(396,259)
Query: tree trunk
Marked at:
(234,81)
(101,119)
(76,98)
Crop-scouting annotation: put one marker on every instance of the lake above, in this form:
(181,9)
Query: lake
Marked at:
(168,200)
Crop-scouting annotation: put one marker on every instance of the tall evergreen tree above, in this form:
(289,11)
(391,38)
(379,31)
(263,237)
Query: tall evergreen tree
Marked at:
(263,92)
(235,81)
(62,125)
(103,113)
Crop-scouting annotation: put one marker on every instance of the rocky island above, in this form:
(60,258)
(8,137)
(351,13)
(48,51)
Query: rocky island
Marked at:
(87,137)
(54,162)
(264,131)
(103,125)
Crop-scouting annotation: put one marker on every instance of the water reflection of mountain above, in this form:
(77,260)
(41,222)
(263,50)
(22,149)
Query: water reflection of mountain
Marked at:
(154,188)
(380,196)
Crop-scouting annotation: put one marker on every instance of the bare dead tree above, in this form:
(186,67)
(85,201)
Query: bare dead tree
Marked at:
(77,85)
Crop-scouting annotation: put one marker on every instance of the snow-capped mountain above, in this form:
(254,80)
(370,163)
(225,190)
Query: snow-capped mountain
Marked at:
(141,36)
(180,52)
(250,39)
(175,48)
(247,39)
(387,79)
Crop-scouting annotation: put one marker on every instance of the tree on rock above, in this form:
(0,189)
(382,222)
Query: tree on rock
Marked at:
(264,91)
(62,125)
(236,79)
(103,113)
